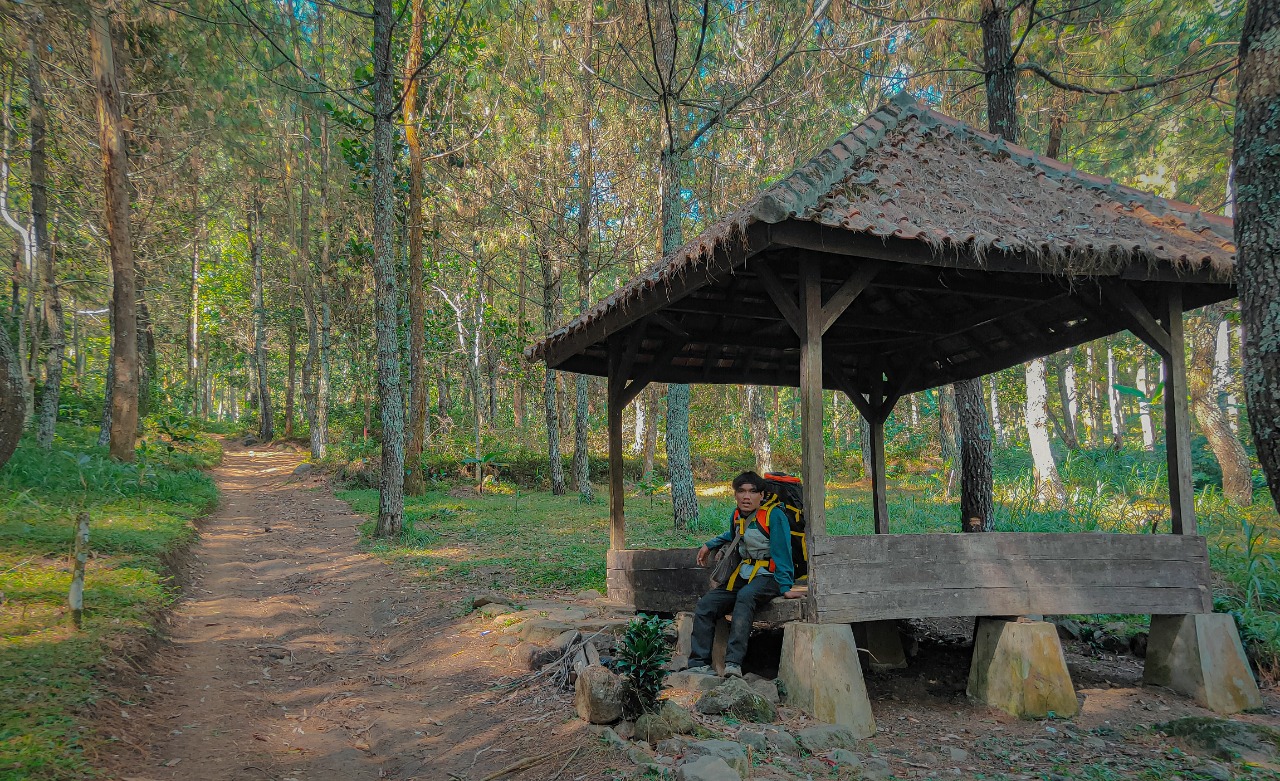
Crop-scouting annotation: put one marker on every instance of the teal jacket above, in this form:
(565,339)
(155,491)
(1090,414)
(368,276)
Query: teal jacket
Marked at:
(784,569)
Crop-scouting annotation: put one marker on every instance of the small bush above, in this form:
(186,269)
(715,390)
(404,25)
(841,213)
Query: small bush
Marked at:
(643,653)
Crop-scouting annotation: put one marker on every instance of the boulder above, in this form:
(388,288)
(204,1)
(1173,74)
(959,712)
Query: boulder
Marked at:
(608,736)
(876,769)
(493,609)
(698,682)
(736,698)
(825,737)
(625,729)
(706,769)
(302,470)
(733,754)
(756,741)
(522,655)
(640,757)
(480,600)
(843,757)
(587,596)
(597,695)
(956,755)
(670,720)
(542,631)
(781,742)
(766,688)
(671,746)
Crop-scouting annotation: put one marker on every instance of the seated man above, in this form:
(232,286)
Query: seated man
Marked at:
(767,571)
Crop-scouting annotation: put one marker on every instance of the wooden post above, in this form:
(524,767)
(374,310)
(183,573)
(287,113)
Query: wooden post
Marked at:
(617,516)
(1177,429)
(811,442)
(879,494)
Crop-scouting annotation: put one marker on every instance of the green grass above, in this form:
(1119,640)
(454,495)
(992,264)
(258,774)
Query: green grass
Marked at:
(139,514)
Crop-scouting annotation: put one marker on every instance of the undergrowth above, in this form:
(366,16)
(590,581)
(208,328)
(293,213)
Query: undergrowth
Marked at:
(140,513)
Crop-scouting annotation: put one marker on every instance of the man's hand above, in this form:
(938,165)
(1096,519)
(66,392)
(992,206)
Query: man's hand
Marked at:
(795,594)
(704,554)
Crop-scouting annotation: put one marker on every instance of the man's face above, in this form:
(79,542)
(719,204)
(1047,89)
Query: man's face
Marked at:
(749,498)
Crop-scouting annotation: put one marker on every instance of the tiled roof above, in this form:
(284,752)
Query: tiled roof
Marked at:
(909,173)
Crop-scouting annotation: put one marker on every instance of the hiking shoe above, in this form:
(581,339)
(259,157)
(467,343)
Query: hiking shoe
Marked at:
(701,669)
(732,670)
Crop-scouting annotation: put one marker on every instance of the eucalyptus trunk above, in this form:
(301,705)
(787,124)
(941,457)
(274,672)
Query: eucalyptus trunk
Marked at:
(115,163)
(387,295)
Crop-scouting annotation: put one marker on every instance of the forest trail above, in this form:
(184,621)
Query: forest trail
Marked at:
(294,655)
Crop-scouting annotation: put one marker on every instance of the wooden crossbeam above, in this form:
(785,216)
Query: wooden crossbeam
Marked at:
(1136,315)
(781,297)
(847,293)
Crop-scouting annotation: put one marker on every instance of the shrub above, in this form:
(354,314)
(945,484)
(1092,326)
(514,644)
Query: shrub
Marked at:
(642,657)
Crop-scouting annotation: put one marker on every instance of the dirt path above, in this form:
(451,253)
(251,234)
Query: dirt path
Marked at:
(296,656)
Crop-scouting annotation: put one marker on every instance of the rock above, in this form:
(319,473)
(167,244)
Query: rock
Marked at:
(736,698)
(670,720)
(1095,744)
(766,688)
(671,746)
(697,682)
(542,631)
(956,755)
(608,736)
(1138,645)
(876,769)
(639,756)
(493,609)
(825,737)
(522,655)
(733,754)
(597,695)
(302,470)
(249,441)
(781,742)
(1225,738)
(757,741)
(589,595)
(706,769)
(625,729)
(480,600)
(1216,771)
(843,757)
(1068,629)
(1040,745)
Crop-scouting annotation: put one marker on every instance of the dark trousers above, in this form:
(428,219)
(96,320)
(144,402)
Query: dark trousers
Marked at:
(715,604)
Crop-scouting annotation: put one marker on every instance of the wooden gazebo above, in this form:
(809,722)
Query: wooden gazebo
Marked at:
(913,252)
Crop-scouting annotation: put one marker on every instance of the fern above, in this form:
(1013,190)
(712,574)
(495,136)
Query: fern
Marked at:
(641,658)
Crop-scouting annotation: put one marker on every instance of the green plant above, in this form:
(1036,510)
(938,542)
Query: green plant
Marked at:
(642,657)
(651,485)
(487,461)
(1257,564)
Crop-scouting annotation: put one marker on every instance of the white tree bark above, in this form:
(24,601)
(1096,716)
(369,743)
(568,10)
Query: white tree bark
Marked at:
(1049,488)
(1113,399)
(1144,408)
(1222,374)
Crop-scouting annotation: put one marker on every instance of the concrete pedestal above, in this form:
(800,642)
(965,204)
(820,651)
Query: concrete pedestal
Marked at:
(1200,655)
(1019,668)
(684,643)
(883,644)
(823,677)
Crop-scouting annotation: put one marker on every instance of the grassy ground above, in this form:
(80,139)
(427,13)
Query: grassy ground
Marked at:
(521,540)
(139,514)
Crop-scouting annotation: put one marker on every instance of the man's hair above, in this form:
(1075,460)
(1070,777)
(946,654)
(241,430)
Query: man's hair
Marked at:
(749,478)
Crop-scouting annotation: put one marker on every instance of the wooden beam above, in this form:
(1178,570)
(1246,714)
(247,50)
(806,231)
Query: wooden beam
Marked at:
(660,361)
(857,282)
(1177,423)
(811,439)
(773,286)
(1137,316)
(617,513)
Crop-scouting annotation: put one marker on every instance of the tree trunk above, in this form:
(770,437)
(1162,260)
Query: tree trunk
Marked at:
(48,417)
(320,417)
(758,422)
(1093,416)
(1237,476)
(1222,373)
(637,441)
(193,299)
(586,186)
(1257,227)
(111,142)
(418,401)
(1048,485)
(517,392)
(550,313)
(1066,395)
(977,507)
(997,428)
(1144,406)
(864,447)
(1113,401)
(391,482)
(949,433)
(684,497)
(12,400)
(650,396)
(266,422)
(291,372)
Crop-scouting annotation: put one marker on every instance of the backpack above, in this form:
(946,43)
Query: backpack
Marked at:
(786,492)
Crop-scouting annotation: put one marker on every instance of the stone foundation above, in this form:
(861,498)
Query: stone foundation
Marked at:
(883,644)
(823,677)
(1019,668)
(1200,655)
